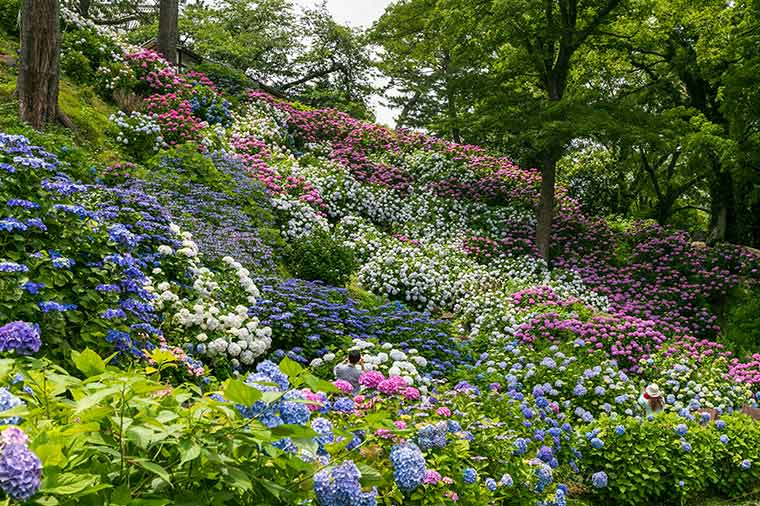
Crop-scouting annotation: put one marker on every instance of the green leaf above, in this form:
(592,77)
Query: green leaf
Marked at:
(92,400)
(239,479)
(68,483)
(319,385)
(370,475)
(241,393)
(88,362)
(188,451)
(155,469)
(290,368)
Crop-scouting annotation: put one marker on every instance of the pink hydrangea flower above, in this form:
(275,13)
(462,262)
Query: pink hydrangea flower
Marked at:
(384,433)
(371,379)
(344,386)
(411,393)
(319,398)
(447,480)
(400,424)
(431,477)
(391,385)
(443,411)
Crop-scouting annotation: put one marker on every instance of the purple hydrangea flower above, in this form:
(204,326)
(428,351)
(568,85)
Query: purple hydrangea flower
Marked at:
(20,471)
(20,337)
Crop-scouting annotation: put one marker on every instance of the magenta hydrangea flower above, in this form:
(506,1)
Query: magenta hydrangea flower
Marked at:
(344,386)
(391,385)
(443,411)
(410,393)
(371,379)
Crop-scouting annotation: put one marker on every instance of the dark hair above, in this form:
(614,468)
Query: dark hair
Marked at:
(656,404)
(354,356)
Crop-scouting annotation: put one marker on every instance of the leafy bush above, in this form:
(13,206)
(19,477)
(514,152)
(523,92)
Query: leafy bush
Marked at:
(9,10)
(228,79)
(670,459)
(320,256)
(83,52)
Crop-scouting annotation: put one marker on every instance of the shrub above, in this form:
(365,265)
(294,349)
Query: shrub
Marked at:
(647,462)
(9,16)
(320,256)
(138,133)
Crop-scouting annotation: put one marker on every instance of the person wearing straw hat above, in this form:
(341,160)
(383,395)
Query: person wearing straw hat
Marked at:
(651,399)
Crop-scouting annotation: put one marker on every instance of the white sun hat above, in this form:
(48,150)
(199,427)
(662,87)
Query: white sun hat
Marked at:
(653,390)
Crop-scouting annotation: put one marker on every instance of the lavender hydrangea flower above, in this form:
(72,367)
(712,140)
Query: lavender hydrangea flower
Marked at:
(20,337)
(20,471)
(599,479)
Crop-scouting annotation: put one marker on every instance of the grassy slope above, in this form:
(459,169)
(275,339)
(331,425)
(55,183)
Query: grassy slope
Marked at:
(89,142)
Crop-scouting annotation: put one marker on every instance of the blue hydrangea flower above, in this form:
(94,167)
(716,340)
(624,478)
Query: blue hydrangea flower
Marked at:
(545,477)
(276,376)
(545,454)
(599,479)
(685,446)
(340,486)
(724,439)
(619,430)
(470,476)
(9,401)
(746,464)
(520,446)
(343,405)
(490,484)
(408,466)
(506,480)
(432,436)
(681,429)
(597,443)
(720,425)
(294,412)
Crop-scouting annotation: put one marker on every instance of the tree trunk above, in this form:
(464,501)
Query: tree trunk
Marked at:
(723,208)
(546,206)
(37,82)
(167,30)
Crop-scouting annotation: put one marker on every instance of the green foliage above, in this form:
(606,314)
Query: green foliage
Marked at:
(227,78)
(648,464)
(123,438)
(9,10)
(741,322)
(83,52)
(320,256)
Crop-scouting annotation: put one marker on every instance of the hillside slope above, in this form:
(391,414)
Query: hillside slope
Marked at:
(143,301)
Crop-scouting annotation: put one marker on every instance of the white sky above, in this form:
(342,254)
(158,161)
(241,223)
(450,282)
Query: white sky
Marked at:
(360,13)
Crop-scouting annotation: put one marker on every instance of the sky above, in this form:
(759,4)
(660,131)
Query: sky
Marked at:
(360,13)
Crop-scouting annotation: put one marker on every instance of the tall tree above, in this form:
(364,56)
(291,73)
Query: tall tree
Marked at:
(168,19)
(37,82)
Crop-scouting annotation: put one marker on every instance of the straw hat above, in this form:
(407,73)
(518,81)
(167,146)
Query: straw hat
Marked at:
(653,390)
